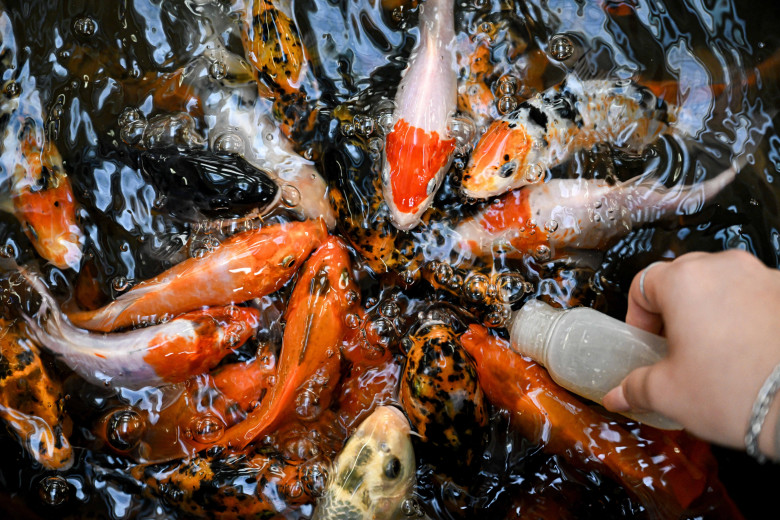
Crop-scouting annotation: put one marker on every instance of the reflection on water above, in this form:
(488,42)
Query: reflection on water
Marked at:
(112,82)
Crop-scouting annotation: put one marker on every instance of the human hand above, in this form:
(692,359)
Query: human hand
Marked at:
(720,314)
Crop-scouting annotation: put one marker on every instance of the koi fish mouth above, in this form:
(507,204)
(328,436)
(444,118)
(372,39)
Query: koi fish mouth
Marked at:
(495,164)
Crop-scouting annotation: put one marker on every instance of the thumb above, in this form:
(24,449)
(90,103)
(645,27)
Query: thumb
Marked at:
(636,391)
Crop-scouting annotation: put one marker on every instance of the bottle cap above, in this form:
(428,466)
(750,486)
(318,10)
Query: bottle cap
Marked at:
(531,326)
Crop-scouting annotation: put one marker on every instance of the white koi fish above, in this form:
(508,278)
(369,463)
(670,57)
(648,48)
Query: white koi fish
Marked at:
(578,214)
(418,151)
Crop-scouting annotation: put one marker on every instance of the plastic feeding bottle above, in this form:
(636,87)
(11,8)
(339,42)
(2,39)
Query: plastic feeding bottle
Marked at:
(585,351)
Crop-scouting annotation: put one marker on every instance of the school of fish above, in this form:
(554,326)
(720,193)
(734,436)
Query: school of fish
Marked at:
(286,388)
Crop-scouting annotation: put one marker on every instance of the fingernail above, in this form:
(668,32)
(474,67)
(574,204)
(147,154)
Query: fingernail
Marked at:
(615,400)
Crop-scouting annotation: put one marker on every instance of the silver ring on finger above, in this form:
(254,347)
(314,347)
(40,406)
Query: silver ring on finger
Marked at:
(642,279)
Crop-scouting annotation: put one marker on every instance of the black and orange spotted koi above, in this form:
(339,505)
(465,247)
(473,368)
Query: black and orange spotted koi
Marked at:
(31,400)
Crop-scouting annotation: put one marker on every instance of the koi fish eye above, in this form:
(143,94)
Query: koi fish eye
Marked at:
(506,170)
(393,468)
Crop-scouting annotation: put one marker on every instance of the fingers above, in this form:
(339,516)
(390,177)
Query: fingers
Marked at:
(636,392)
(643,308)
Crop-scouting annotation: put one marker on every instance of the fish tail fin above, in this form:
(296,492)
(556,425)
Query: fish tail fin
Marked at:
(648,202)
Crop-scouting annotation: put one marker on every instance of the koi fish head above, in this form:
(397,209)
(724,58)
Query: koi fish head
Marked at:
(375,471)
(48,217)
(415,162)
(499,161)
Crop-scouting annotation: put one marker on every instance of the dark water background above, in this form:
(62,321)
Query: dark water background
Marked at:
(359,50)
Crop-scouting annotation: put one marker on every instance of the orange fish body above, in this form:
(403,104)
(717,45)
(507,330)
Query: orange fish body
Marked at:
(248,265)
(665,483)
(171,352)
(418,151)
(309,363)
(31,402)
(41,193)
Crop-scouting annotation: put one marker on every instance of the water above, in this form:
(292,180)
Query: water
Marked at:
(92,62)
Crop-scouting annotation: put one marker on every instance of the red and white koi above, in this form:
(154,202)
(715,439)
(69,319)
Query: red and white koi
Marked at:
(419,151)
(247,265)
(578,214)
(169,353)
(41,194)
(310,359)
(545,130)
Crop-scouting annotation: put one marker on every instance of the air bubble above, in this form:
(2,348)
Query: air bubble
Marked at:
(364,125)
(120,283)
(534,173)
(410,507)
(389,309)
(307,405)
(159,202)
(507,85)
(486,27)
(125,429)
(462,129)
(229,143)
(479,4)
(375,145)
(347,128)
(561,47)
(201,246)
(551,226)
(542,253)
(511,287)
(494,319)
(383,330)
(352,321)
(506,104)
(207,429)
(475,288)
(133,132)
(85,26)
(291,197)
(54,490)
(130,115)
(218,70)
(13,89)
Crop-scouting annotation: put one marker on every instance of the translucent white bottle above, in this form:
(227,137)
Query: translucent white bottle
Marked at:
(586,351)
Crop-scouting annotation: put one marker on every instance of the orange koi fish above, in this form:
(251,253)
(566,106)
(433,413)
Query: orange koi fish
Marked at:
(248,382)
(544,131)
(417,150)
(41,194)
(310,359)
(248,265)
(578,214)
(168,353)
(31,401)
(665,483)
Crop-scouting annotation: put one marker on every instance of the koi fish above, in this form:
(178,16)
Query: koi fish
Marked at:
(272,44)
(578,214)
(234,485)
(665,483)
(274,47)
(199,184)
(310,359)
(31,401)
(545,130)
(441,395)
(169,353)
(417,150)
(41,194)
(247,265)
(248,382)
(374,472)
